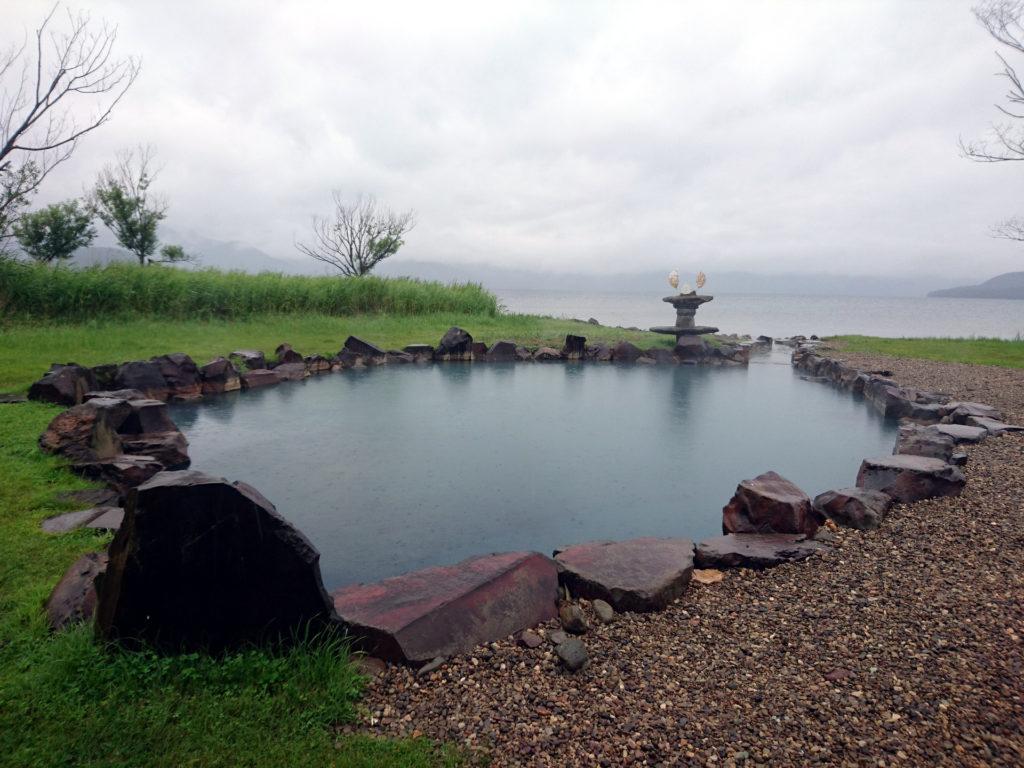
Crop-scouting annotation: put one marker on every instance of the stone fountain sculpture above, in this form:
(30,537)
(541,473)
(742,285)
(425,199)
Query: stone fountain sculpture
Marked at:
(686,302)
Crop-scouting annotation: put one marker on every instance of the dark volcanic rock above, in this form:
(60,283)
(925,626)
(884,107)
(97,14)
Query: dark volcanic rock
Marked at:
(285,354)
(624,352)
(422,352)
(123,471)
(479,349)
(397,357)
(9,398)
(63,384)
(248,359)
(450,609)
(456,344)
(769,503)
(117,394)
(259,378)
(754,550)
(575,347)
(143,376)
(662,356)
(572,653)
(219,375)
(910,478)
(169,448)
(73,600)
(317,364)
(915,440)
(105,375)
(181,374)
(600,353)
(858,508)
(636,575)
(502,352)
(363,349)
(200,562)
(147,416)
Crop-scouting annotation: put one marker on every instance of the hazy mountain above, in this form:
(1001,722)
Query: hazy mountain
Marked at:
(235,255)
(1006,286)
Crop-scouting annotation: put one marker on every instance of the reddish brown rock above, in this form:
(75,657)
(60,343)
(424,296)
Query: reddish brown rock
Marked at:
(502,352)
(181,374)
(636,575)
(961,411)
(754,550)
(147,417)
(910,478)
(249,359)
(169,448)
(916,440)
(962,433)
(261,377)
(357,348)
(203,563)
(858,508)
(317,364)
(63,384)
(219,375)
(285,354)
(769,503)
(144,376)
(87,432)
(447,610)
(547,354)
(123,471)
(291,372)
(73,600)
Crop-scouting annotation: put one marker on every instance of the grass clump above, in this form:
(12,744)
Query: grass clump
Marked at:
(30,291)
(1001,352)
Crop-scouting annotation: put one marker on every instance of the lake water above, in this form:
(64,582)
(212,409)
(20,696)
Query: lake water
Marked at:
(779,316)
(396,468)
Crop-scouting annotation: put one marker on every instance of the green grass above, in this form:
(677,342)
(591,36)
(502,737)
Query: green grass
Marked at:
(1002,352)
(66,700)
(28,349)
(44,292)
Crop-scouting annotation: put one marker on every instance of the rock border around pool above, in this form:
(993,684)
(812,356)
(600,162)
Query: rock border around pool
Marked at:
(125,437)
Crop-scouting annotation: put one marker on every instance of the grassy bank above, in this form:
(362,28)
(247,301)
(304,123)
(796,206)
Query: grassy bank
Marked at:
(1009,354)
(28,349)
(43,292)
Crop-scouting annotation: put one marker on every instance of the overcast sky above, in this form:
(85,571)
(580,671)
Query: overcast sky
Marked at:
(817,136)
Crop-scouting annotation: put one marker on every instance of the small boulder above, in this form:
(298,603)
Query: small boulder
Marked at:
(575,347)
(218,376)
(643,574)
(423,353)
(144,376)
(547,354)
(572,619)
(123,471)
(523,354)
(960,412)
(599,353)
(502,352)
(248,359)
(397,357)
(624,352)
(557,636)
(456,344)
(73,600)
(857,508)
(203,563)
(285,354)
(291,371)
(915,440)
(259,378)
(447,610)
(105,375)
(573,654)
(87,432)
(355,347)
(181,374)
(662,356)
(147,417)
(754,550)
(769,503)
(962,433)
(169,448)
(479,350)
(63,384)
(317,364)
(910,478)
(604,612)
(707,576)
(530,639)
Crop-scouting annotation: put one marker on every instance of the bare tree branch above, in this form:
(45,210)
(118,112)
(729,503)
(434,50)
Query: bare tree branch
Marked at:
(43,92)
(1011,229)
(358,237)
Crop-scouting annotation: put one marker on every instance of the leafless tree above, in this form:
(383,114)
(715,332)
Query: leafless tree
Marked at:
(358,237)
(1004,21)
(54,89)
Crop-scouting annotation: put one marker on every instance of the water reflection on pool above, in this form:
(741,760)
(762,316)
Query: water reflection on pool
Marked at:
(395,468)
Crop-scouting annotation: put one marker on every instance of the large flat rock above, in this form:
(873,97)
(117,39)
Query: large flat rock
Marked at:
(910,478)
(447,610)
(754,550)
(636,575)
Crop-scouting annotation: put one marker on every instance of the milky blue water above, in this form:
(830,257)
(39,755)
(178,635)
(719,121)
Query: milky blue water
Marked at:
(788,315)
(396,468)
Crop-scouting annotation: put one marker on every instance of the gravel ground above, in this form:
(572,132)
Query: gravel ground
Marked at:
(902,646)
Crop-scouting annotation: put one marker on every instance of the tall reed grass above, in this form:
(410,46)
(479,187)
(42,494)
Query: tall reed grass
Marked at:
(43,292)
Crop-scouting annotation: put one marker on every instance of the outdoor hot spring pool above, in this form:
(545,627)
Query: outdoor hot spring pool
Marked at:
(395,468)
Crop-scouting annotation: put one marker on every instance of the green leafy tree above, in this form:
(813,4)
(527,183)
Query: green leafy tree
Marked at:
(174,254)
(122,201)
(55,232)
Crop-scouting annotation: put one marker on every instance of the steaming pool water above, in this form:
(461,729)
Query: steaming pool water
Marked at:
(394,468)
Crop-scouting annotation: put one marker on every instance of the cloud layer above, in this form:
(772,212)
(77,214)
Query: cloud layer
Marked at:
(595,137)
